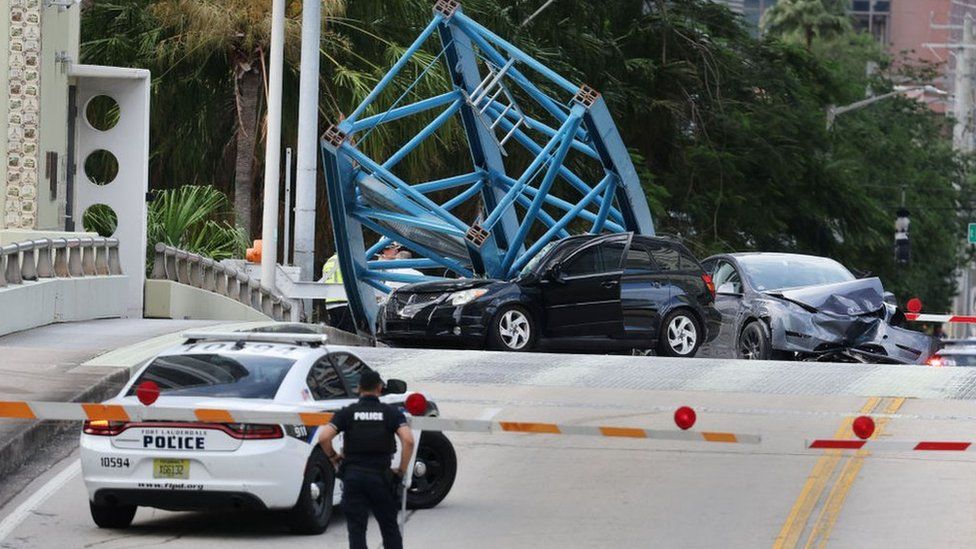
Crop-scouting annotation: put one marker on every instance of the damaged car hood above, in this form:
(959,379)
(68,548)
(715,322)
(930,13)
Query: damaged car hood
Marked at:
(446,286)
(853,298)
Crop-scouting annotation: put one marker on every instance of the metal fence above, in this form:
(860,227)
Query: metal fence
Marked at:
(72,258)
(201,272)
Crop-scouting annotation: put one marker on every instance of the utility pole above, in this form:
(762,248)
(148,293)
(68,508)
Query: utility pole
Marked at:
(962,141)
(272,151)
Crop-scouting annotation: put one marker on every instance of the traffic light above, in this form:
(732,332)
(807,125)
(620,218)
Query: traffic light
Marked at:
(903,250)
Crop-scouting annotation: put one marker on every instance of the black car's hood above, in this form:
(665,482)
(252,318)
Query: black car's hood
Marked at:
(444,286)
(856,297)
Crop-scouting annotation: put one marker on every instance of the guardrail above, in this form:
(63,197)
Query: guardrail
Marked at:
(204,273)
(73,258)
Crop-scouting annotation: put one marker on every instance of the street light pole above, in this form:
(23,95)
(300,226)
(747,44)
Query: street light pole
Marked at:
(272,151)
(833,112)
(308,124)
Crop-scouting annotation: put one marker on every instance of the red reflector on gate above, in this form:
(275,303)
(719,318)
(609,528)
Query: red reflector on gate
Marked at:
(416,404)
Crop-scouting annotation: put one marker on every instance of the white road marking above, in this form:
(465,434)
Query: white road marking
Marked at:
(489,414)
(37,499)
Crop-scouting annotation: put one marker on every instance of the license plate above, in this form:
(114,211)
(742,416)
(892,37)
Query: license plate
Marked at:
(171,468)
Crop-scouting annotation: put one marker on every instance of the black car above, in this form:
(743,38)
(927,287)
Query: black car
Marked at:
(616,291)
(801,307)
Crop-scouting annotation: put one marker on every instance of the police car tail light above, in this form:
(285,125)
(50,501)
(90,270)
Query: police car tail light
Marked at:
(416,404)
(101,427)
(252,431)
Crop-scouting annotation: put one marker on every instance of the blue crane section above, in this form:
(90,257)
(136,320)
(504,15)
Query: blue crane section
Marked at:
(547,161)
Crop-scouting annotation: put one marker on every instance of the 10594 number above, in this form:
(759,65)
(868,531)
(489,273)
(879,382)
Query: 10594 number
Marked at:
(115,462)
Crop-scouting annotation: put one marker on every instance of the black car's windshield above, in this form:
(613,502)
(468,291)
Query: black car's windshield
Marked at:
(536,261)
(779,272)
(213,375)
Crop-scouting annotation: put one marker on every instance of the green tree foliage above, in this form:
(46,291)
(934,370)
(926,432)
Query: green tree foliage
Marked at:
(806,20)
(728,132)
(190,218)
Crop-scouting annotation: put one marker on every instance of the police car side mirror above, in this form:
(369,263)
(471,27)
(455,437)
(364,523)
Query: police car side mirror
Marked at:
(395,387)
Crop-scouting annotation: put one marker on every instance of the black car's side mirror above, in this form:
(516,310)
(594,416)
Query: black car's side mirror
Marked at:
(555,273)
(395,387)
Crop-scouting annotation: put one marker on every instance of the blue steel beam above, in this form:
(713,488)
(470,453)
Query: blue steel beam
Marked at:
(530,145)
(389,76)
(534,124)
(394,217)
(542,158)
(507,182)
(407,110)
(613,153)
(347,231)
(462,65)
(423,134)
(561,224)
(387,276)
(517,53)
(450,182)
(605,202)
(400,185)
(423,263)
(463,196)
(567,132)
(420,249)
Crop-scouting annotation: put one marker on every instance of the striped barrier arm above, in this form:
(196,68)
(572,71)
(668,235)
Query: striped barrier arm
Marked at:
(66,411)
(891,445)
(945,319)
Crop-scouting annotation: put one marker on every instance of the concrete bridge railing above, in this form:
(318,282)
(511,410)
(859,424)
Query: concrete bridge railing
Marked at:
(204,273)
(72,258)
(50,280)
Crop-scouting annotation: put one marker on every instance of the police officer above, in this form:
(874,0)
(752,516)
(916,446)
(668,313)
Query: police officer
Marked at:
(368,446)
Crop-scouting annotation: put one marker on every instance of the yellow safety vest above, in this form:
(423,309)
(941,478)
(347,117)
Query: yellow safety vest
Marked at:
(332,274)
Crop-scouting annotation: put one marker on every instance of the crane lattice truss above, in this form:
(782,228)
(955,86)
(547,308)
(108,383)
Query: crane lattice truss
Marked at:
(525,199)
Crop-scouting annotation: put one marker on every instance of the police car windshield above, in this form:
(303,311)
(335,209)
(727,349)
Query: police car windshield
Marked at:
(213,375)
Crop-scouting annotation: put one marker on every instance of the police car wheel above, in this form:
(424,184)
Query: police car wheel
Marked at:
(434,471)
(312,513)
(112,516)
(512,329)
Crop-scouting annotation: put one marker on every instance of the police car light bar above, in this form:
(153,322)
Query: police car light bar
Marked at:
(255,337)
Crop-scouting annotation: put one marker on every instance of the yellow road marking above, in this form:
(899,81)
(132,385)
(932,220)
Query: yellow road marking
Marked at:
(824,468)
(838,494)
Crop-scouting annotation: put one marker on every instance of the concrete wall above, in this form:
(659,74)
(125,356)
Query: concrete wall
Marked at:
(4,104)
(60,32)
(167,299)
(32,304)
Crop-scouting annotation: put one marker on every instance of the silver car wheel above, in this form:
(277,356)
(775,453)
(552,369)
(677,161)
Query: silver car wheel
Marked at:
(514,329)
(682,335)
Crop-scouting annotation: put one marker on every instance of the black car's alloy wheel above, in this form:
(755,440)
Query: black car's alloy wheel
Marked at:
(754,342)
(681,335)
(313,511)
(433,472)
(512,329)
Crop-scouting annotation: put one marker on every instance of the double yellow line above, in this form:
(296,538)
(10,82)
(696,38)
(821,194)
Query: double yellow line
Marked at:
(811,499)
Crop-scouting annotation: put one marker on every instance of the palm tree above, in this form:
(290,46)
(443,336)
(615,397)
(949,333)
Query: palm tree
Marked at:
(238,33)
(806,19)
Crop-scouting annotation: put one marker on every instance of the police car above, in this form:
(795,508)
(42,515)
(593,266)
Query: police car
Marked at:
(189,466)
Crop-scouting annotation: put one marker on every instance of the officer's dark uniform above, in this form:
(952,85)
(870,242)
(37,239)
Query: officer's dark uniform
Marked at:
(368,446)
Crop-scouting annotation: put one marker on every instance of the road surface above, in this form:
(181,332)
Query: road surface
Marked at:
(562,491)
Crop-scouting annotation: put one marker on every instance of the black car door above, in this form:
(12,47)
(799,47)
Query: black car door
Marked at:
(582,294)
(644,293)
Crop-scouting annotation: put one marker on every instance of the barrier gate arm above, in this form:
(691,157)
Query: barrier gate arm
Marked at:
(70,411)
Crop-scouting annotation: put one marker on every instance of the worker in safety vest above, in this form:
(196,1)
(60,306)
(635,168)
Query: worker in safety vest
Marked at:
(368,483)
